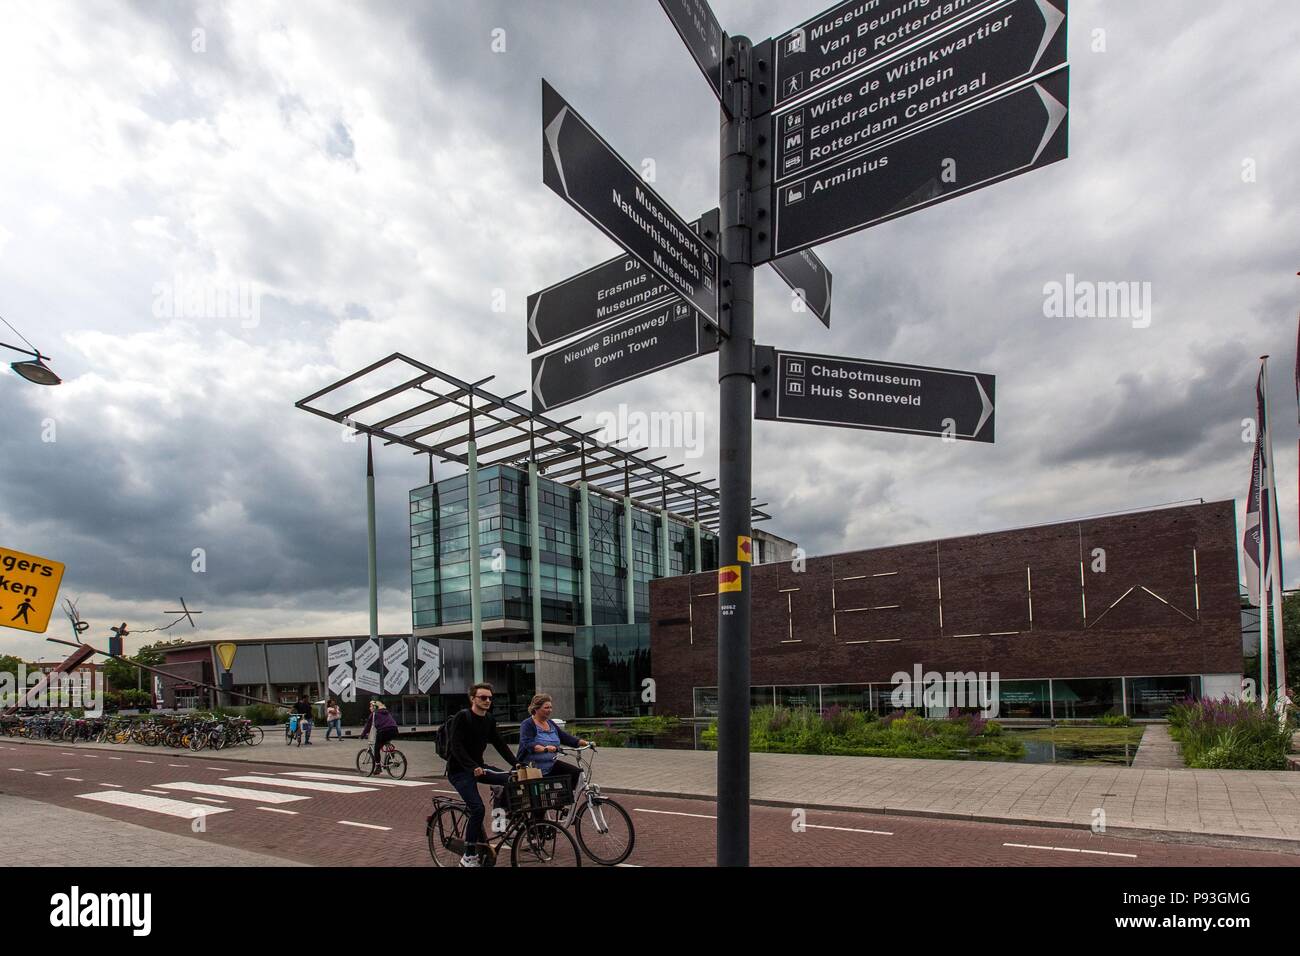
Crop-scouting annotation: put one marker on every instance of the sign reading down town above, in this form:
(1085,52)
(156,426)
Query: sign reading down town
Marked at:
(1009,134)
(636,346)
(583,170)
(981,56)
(879,396)
(851,35)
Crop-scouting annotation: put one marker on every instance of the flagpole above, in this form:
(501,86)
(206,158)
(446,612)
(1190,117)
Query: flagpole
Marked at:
(1260,425)
(1275,531)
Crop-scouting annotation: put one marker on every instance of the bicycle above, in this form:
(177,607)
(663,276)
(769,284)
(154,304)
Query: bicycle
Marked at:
(293,730)
(393,761)
(532,842)
(604,829)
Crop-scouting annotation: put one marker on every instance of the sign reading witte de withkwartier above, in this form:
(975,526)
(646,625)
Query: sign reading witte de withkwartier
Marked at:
(626,350)
(586,172)
(878,396)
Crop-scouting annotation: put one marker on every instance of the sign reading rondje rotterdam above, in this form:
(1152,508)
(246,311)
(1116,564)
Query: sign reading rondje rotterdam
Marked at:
(880,396)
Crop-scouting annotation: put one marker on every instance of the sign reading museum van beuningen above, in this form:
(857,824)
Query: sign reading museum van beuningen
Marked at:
(880,396)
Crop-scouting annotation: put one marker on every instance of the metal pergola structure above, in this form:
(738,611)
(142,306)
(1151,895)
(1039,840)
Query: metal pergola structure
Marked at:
(402,401)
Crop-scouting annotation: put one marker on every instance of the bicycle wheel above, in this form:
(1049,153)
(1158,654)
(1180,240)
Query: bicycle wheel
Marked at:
(542,843)
(254,737)
(396,765)
(365,761)
(605,831)
(445,831)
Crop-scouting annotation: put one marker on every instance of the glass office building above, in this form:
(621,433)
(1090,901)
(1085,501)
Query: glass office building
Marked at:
(592,650)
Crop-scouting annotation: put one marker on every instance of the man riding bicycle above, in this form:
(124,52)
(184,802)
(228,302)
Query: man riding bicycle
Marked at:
(470,731)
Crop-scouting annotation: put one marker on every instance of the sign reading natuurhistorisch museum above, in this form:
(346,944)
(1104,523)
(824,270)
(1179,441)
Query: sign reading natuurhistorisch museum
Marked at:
(583,170)
(851,35)
(981,56)
(1012,133)
(881,396)
(625,350)
(28,588)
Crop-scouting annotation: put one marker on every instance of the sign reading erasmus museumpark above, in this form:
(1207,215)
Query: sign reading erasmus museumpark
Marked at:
(880,396)
(583,170)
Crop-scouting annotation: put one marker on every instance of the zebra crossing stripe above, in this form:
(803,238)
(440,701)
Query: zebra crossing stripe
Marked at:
(235,793)
(143,801)
(369,781)
(301,784)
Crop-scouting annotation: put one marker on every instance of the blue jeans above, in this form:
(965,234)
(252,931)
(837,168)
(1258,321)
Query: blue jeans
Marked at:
(336,726)
(466,785)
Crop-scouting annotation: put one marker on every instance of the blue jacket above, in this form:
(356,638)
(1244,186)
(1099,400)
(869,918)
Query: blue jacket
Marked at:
(528,736)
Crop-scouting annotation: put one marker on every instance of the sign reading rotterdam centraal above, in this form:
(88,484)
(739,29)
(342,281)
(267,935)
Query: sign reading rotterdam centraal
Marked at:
(879,396)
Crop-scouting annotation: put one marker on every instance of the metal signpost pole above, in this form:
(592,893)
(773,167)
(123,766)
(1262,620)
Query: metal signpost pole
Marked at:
(735,424)
(371,563)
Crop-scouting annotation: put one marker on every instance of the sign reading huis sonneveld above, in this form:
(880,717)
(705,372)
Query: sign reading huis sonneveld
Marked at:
(583,170)
(880,396)
(996,49)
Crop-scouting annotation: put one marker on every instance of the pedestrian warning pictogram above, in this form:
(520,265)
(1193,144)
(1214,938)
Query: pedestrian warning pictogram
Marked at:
(29,586)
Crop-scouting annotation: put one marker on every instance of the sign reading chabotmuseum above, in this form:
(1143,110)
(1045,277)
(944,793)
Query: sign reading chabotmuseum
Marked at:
(28,588)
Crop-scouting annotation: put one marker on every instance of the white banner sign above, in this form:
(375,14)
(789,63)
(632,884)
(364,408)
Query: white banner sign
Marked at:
(396,678)
(428,651)
(368,681)
(340,677)
(367,654)
(427,676)
(395,654)
(339,653)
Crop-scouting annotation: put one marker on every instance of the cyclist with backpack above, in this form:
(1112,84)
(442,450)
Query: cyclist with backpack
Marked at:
(385,730)
(461,741)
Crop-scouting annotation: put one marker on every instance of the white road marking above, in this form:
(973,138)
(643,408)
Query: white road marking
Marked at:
(1068,849)
(370,781)
(278,810)
(181,765)
(17,769)
(209,799)
(66,754)
(144,761)
(114,758)
(819,826)
(368,826)
(74,779)
(222,769)
(161,793)
(237,793)
(91,756)
(140,801)
(40,773)
(676,813)
(118,785)
(301,784)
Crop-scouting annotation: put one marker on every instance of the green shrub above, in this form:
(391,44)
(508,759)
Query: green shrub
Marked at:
(1228,734)
(1113,720)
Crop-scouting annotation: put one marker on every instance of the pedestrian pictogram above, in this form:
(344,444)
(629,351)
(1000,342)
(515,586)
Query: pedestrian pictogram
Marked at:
(29,586)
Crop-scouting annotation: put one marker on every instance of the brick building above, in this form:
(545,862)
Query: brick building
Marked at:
(1121,614)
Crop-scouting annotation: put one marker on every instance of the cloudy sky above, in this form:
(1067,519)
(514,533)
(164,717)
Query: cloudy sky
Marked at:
(371,173)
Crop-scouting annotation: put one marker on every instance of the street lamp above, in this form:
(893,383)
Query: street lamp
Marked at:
(33,369)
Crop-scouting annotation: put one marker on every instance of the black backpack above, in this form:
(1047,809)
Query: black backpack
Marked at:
(442,740)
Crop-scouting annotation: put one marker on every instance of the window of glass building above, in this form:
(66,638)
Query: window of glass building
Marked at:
(799,696)
(1024,698)
(846,696)
(610,663)
(706,701)
(1087,697)
(760,696)
(1151,697)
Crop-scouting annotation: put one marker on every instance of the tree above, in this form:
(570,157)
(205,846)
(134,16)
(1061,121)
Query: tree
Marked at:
(121,675)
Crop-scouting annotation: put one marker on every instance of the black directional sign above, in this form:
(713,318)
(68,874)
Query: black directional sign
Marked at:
(702,34)
(850,36)
(988,53)
(809,277)
(583,169)
(1005,136)
(879,396)
(625,350)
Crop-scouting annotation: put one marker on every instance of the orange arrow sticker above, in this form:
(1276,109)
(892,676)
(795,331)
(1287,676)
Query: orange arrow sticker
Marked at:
(744,548)
(729,578)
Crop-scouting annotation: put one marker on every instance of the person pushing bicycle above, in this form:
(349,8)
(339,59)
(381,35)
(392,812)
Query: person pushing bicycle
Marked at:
(385,731)
(469,733)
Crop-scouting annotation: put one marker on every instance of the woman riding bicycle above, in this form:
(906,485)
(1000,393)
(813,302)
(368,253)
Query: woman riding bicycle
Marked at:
(385,731)
(540,738)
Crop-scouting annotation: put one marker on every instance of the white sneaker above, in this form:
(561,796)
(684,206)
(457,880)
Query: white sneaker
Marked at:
(469,861)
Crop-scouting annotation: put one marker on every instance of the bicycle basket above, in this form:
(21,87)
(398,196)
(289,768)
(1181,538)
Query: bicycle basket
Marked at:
(546,794)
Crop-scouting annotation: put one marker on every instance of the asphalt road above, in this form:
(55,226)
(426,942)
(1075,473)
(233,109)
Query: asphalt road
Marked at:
(330,817)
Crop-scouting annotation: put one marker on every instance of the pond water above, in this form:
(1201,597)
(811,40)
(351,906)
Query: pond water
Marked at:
(687,737)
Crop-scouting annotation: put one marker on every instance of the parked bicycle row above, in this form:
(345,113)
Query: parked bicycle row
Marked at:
(192,731)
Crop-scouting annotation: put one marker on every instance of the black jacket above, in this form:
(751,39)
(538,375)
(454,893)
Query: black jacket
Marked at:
(470,735)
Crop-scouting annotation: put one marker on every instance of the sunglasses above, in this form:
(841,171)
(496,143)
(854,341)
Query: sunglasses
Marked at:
(481,697)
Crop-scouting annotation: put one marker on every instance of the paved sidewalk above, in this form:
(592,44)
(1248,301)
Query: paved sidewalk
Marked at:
(34,833)
(1237,807)
(1158,751)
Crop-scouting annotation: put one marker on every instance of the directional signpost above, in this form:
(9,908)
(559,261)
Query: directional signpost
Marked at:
(996,49)
(1013,133)
(869,111)
(637,346)
(583,169)
(880,396)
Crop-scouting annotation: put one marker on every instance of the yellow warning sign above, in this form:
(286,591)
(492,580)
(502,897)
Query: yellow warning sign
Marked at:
(226,654)
(744,548)
(28,588)
(729,578)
